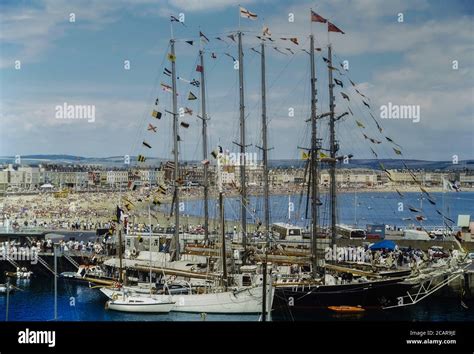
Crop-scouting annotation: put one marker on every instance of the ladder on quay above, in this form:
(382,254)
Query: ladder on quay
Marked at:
(46,265)
(71,260)
(12,262)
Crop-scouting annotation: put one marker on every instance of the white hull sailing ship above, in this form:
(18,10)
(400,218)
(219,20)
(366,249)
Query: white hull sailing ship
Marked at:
(245,300)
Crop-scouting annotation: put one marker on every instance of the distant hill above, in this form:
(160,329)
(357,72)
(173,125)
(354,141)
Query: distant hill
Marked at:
(118,161)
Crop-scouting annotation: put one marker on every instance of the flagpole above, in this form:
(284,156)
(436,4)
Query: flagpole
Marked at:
(239,16)
(329,41)
(175,256)
(171,28)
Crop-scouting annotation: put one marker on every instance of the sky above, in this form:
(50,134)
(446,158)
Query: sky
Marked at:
(82,63)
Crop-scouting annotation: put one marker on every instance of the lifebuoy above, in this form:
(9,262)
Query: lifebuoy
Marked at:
(134,251)
(115,297)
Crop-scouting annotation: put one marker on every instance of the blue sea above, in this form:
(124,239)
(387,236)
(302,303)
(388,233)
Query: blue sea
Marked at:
(353,208)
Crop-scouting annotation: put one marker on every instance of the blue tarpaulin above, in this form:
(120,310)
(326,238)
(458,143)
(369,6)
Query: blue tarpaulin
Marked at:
(385,244)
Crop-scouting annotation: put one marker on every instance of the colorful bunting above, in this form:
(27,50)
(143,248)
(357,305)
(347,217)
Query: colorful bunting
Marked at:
(279,51)
(247,14)
(151,127)
(345,97)
(332,28)
(316,18)
(203,37)
(156,114)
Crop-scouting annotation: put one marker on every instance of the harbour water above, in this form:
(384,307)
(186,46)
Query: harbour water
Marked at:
(78,302)
(353,208)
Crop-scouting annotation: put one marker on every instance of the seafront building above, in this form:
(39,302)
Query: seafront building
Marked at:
(15,178)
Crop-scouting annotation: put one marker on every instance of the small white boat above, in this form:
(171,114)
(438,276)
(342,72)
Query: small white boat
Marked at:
(3,288)
(21,273)
(140,304)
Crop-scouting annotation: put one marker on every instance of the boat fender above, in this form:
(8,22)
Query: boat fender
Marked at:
(134,251)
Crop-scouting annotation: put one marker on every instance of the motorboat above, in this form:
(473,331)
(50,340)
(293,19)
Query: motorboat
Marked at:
(139,304)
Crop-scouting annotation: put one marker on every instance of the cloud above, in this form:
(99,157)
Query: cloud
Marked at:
(207,5)
(33,30)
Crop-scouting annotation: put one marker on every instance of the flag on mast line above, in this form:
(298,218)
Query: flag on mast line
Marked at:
(338,82)
(266,31)
(156,114)
(183,79)
(346,97)
(151,127)
(166,87)
(316,18)
(332,28)
(203,37)
(247,14)
(191,96)
(175,19)
(146,144)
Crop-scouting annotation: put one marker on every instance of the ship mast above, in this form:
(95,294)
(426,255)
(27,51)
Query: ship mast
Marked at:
(265,148)
(266,206)
(175,255)
(222,223)
(204,147)
(333,150)
(243,186)
(314,179)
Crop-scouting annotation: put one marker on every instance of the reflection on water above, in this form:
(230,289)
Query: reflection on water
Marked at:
(78,302)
